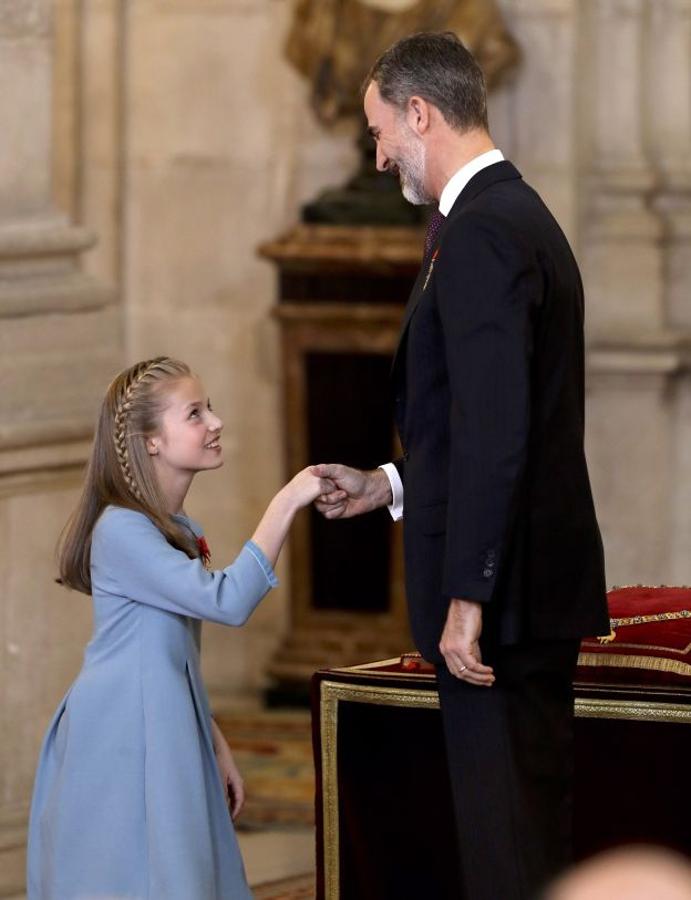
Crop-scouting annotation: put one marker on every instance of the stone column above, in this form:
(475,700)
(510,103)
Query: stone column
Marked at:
(635,358)
(536,111)
(670,114)
(52,313)
(59,344)
(621,242)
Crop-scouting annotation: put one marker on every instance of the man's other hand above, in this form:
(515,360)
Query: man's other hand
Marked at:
(460,645)
(356,492)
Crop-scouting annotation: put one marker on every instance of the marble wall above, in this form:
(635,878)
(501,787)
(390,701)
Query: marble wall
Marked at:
(175,132)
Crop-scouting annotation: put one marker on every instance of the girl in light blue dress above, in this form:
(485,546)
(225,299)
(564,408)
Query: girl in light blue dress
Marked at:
(136,785)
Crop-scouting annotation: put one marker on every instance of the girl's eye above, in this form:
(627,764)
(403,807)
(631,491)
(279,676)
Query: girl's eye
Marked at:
(195,412)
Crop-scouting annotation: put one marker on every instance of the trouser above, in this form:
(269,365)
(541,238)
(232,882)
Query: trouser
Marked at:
(510,757)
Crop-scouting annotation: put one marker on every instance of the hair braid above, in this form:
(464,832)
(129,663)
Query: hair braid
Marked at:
(137,374)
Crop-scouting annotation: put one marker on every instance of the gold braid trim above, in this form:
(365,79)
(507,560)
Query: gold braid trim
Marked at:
(651,663)
(137,376)
(642,620)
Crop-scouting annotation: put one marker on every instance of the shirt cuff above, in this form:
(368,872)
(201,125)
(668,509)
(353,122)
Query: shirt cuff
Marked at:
(396,505)
(266,566)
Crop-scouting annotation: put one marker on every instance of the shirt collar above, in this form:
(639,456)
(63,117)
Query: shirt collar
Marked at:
(457,182)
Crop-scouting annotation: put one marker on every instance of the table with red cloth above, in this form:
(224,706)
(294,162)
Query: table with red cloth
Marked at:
(384,811)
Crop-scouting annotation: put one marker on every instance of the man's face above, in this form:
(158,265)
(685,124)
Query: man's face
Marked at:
(400,150)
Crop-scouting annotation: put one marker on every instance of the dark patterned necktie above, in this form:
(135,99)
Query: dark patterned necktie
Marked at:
(433,226)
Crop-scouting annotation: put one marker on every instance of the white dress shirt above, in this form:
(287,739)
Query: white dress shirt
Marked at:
(449,195)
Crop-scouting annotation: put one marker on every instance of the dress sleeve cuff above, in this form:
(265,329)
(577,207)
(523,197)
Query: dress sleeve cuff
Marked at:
(263,562)
(396,505)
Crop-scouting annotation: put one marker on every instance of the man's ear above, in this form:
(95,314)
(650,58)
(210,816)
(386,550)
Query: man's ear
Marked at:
(418,115)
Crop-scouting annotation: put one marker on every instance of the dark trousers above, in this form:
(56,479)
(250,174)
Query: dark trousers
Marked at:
(510,757)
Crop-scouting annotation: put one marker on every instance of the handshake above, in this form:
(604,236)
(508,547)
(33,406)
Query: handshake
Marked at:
(340,492)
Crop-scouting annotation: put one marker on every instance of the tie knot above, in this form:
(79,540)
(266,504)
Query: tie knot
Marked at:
(433,226)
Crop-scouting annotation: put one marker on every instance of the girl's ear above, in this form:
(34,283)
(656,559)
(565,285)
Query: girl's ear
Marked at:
(152,446)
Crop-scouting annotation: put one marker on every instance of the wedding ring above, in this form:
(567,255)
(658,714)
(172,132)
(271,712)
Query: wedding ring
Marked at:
(463,668)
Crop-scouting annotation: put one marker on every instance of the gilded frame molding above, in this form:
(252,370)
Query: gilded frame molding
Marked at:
(334,692)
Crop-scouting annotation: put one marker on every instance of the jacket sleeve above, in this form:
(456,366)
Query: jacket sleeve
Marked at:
(130,557)
(486,288)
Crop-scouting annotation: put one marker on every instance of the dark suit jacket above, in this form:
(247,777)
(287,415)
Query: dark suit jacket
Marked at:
(488,384)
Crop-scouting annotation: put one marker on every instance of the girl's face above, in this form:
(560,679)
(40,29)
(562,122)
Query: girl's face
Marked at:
(188,439)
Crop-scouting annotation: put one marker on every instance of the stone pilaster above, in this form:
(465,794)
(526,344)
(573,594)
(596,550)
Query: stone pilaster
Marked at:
(542,104)
(637,358)
(670,112)
(621,251)
(57,327)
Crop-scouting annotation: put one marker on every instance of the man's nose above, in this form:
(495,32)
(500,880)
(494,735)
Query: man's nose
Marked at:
(382,160)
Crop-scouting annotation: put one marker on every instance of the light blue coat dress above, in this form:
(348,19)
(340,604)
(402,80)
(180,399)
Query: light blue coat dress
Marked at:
(128,802)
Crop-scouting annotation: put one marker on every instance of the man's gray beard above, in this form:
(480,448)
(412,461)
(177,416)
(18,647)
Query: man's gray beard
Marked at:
(412,175)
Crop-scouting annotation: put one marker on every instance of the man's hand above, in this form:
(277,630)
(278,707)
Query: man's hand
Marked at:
(356,492)
(460,643)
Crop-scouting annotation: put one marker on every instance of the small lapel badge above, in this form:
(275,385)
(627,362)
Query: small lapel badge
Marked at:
(431,267)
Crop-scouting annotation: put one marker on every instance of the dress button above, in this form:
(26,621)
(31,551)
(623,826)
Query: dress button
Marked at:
(487,573)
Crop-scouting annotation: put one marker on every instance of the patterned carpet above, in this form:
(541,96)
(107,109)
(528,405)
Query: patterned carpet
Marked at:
(273,750)
(300,888)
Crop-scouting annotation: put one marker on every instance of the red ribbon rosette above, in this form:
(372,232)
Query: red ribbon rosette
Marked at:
(204,552)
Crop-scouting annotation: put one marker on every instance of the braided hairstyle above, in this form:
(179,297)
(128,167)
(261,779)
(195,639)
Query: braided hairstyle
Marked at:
(127,387)
(120,470)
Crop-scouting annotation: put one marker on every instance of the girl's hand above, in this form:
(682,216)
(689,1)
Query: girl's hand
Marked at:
(229,772)
(301,491)
(306,486)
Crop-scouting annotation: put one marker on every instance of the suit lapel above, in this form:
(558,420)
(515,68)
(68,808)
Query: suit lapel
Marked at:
(501,171)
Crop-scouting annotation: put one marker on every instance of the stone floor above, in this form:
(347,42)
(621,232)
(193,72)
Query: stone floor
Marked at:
(276,854)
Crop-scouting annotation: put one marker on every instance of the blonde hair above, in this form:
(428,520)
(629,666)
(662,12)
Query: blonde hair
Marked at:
(120,470)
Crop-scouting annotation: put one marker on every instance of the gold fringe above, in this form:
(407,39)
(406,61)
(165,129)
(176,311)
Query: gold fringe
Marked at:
(651,663)
(623,645)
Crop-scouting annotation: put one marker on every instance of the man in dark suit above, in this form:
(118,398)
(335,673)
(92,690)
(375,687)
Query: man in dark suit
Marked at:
(504,563)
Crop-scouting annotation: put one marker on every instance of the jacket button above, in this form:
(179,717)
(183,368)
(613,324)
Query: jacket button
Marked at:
(487,573)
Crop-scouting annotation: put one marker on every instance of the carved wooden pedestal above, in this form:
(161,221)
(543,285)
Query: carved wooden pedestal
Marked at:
(342,291)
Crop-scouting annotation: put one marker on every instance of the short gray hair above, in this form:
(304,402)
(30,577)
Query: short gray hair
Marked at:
(439,68)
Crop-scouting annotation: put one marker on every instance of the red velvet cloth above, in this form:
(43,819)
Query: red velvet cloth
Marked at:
(649,652)
(644,653)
